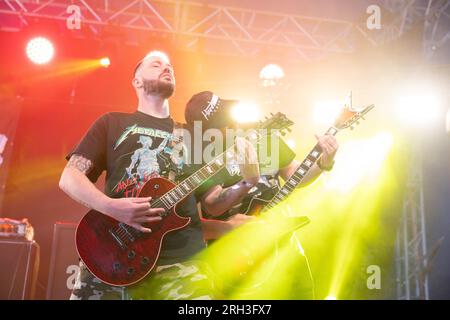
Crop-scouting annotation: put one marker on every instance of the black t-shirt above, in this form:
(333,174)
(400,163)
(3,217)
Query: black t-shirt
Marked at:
(268,185)
(133,148)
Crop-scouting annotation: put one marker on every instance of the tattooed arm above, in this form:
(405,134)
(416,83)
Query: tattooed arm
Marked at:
(76,184)
(132,211)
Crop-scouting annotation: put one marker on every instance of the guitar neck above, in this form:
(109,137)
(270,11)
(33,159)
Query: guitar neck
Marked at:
(299,174)
(188,185)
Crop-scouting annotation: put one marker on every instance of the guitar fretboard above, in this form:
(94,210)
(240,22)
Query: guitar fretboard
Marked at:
(298,176)
(188,185)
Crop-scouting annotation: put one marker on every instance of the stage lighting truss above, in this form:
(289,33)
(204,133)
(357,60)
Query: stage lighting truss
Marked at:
(232,30)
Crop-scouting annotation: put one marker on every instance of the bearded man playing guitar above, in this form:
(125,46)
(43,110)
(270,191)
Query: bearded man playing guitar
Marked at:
(134,148)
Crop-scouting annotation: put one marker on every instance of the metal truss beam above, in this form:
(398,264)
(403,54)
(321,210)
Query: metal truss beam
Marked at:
(434,15)
(237,31)
(216,29)
(411,246)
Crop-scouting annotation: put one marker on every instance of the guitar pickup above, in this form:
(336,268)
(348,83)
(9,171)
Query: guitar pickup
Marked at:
(119,241)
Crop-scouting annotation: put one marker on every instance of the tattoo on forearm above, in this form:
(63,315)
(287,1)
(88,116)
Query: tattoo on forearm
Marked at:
(80,163)
(84,203)
(223,195)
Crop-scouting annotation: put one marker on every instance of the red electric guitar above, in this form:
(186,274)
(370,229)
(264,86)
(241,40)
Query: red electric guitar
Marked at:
(121,255)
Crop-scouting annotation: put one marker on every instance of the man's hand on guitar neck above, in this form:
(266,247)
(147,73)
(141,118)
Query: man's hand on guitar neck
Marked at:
(329,146)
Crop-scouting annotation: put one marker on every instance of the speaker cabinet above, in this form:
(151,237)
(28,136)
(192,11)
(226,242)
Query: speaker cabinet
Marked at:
(63,262)
(19,260)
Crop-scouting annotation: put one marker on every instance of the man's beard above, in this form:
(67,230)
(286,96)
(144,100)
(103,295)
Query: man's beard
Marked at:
(160,88)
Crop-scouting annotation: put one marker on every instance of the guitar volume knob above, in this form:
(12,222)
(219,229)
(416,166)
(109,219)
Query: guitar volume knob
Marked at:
(131,254)
(116,266)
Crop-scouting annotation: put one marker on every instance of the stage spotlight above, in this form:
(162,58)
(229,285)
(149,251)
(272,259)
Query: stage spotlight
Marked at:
(40,50)
(105,62)
(326,111)
(358,161)
(245,112)
(330,297)
(418,109)
(291,143)
(270,75)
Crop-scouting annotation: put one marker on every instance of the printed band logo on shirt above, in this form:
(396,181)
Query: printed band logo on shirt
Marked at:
(134,129)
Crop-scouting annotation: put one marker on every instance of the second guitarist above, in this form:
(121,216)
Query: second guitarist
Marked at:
(230,191)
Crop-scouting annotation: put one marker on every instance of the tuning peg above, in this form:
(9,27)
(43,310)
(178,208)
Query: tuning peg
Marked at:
(289,130)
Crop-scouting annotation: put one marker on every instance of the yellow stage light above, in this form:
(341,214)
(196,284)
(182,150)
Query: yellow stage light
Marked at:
(291,143)
(105,62)
(358,160)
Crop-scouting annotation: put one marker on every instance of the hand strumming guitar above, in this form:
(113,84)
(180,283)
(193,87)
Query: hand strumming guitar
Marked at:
(133,211)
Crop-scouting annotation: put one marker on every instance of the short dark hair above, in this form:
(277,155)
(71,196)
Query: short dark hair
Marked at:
(153,53)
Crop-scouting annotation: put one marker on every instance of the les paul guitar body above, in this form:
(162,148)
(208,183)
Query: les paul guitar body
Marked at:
(119,254)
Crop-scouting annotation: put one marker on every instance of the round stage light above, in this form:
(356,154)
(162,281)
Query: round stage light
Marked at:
(40,50)
(105,62)
(359,162)
(291,143)
(245,112)
(270,74)
(418,109)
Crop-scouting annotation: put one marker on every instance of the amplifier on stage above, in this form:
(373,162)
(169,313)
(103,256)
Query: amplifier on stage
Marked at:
(63,262)
(19,260)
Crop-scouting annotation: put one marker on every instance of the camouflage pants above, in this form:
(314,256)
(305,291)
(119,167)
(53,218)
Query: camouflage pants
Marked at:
(180,281)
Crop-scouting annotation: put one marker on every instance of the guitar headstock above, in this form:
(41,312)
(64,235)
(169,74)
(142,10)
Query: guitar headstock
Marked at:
(277,121)
(349,116)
